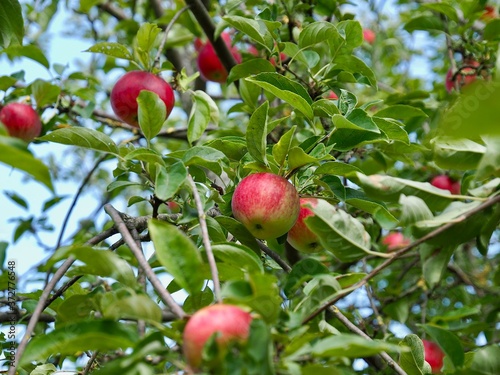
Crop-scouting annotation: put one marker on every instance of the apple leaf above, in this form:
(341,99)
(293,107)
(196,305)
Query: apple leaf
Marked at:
(280,149)
(112,49)
(71,338)
(82,137)
(145,41)
(11,23)
(392,129)
(352,346)
(413,209)
(257,133)
(301,272)
(247,68)
(379,212)
(455,153)
(319,32)
(124,304)
(298,158)
(255,29)
(485,361)
(448,342)
(489,165)
(178,254)
(354,65)
(426,23)
(238,256)
(352,32)
(443,8)
(147,155)
(325,108)
(97,262)
(203,111)
(30,51)
(23,160)
(336,168)
(203,156)
(234,147)
(169,180)
(413,362)
(44,92)
(401,112)
(492,30)
(152,113)
(285,89)
(239,231)
(434,262)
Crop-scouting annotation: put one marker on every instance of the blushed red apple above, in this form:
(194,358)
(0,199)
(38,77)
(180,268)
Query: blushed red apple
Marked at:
(489,14)
(266,204)
(433,355)
(332,96)
(209,64)
(21,121)
(369,36)
(230,323)
(395,241)
(467,75)
(446,183)
(126,90)
(300,236)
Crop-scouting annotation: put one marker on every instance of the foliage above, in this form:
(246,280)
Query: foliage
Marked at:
(369,154)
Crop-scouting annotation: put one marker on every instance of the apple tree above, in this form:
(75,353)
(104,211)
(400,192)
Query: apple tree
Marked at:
(282,187)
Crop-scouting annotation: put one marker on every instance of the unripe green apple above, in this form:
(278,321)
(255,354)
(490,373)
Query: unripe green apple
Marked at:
(21,121)
(266,204)
(230,323)
(126,90)
(300,236)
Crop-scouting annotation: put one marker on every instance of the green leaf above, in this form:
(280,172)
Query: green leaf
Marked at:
(339,232)
(336,168)
(413,362)
(492,30)
(44,92)
(248,68)
(378,211)
(413,209)
(11,23)
(205,157)
(280,149)
(354,65)
(401,112)
(46,369)
(298,158)
(325,108)
(392,129)
(489,164)
(151,113)
(145,41)
(16,198)
(426,23)
(68,339)
(25,161)
(203,111)
(30,51)
(147,155)
(259,349)
(449,343)
(285,89)
(301,272)
(319,32)
(131,306)
(443,8)
(82,137)
(257,133)
(351,346)
(352,32)
(98,262)
(232,146)
(238,256)
(6,82)
(241,233)
(486,361)
(178,254)
(112,49)
(255,29)
(434,262)
(169,180)
(455,153)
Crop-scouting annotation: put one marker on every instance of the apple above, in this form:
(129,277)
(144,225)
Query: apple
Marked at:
(300,236)
(21,121)
(173,207)
(446,183)
(489,14)
(332,96)
(466,76)
(369,36)
(266,204)
(126,90)
(395,241)
(198,44)
(230,324)
(433,356)
(209,64)
(283,57)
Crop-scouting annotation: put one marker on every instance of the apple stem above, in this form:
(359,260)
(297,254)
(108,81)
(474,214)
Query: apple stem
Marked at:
(165,296)
(156,62)
(206,240)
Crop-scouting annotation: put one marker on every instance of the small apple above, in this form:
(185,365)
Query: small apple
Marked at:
(283,57)
(173,207)
(489,14)
(230,324)
(209,64)
(332,96)
(446,183)
(467,74)
(395,241)
(126,90)
(300,236)
(433,356)
(266,204)
(21,121)
(369,36)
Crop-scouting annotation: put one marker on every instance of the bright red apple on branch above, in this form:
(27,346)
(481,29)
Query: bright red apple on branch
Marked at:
(433,356)
(21,121)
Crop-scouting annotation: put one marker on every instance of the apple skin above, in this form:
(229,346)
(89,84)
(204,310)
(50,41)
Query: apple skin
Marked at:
(433,355)
(266,204)
(231,323)
(446,183)
(21,121)
(465,77)
(332,96)
(126,90)
(395,241)
(209,64)
(300,236)
(369,36)
(489,14)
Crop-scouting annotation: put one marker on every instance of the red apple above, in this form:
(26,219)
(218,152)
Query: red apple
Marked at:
(266,204)
(127,89)
(300,236)
(446,183)
(272,60)
(21,121)
(395,241)
(467,75)
(332,96)
(211,68)
(173,207)
(489,14)
(229,323)
(433,355)
(369,36)
(198,44)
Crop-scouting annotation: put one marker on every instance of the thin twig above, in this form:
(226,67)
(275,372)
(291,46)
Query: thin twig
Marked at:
(90,363)
(156,62)
(274,256)
(165,296)
(206,240)
(490,202)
